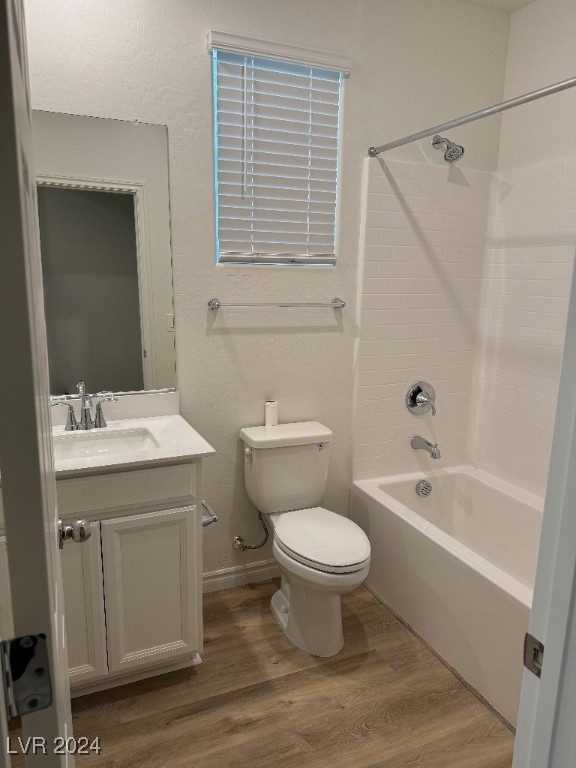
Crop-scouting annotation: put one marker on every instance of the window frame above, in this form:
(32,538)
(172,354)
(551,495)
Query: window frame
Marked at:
(222,42)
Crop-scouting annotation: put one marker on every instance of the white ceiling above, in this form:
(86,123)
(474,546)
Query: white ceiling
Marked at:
(503,5)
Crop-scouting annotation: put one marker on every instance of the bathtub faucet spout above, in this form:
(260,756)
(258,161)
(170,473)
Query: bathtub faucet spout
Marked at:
(418,442)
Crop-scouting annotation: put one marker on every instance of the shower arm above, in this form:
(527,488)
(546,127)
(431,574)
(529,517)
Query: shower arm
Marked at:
(510,104)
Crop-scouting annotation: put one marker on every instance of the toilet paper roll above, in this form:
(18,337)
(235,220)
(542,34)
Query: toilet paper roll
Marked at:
(271,413)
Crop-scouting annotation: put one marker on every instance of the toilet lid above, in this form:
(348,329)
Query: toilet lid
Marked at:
(322,539)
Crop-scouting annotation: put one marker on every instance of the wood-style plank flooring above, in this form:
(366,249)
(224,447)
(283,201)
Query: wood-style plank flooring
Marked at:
(385,701)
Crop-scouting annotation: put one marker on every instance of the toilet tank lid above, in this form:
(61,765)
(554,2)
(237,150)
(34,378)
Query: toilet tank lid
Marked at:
(296,433)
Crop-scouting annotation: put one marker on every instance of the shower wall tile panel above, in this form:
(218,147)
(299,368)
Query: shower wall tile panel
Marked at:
(466,283)
(528,267)
(425,233)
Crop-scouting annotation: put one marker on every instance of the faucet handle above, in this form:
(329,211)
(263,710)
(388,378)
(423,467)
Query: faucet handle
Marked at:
(71,423)
(107,397)
(421,398)
(81,387)
(425,401)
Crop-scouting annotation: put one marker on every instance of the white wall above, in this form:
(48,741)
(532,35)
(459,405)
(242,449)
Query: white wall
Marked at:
(541,51)
(414,63)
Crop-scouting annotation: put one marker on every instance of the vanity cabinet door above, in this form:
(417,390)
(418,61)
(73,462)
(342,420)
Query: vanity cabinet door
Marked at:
(150,590)
(84,608)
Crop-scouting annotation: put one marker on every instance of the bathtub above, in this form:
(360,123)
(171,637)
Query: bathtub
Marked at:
(458,567)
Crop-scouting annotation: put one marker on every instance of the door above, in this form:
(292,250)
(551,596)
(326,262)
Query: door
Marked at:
(84,606)
(546,737)
(150,589)
(6,621)
(26,461)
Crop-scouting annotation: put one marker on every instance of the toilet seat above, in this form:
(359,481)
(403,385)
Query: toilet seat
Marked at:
(322,540)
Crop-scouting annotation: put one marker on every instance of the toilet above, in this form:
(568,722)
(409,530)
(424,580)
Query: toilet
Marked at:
(321,555)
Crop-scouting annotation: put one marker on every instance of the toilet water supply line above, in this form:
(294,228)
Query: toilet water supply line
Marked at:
(270,420)
(240,544)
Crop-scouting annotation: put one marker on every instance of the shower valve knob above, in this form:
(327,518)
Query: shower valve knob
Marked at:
(421,398)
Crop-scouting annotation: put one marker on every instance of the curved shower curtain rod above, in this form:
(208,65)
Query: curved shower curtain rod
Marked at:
(516,102)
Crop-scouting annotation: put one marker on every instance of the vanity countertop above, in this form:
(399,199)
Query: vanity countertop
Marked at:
(127,444)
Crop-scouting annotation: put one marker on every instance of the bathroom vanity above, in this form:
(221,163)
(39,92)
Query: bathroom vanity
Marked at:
(133,588)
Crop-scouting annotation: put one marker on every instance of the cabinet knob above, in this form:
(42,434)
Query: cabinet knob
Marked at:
(78,531)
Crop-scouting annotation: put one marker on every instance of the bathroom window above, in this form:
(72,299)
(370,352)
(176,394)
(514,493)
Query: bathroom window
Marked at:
(276,135)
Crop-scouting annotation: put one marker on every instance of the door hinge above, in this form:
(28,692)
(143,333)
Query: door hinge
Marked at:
(25,674)
(533,654)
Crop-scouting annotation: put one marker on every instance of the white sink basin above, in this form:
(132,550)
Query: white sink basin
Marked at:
(93,444)
(127,444)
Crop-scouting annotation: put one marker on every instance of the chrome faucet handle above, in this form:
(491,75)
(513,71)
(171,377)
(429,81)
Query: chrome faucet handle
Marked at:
(81,387)
(421,398)
(107,397)
(425,401)
(71,422)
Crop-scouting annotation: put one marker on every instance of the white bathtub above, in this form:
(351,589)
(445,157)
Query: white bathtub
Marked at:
(458,566)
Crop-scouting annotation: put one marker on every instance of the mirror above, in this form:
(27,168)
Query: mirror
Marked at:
(103,208)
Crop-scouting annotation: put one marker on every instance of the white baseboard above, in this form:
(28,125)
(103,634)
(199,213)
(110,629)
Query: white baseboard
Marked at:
(237,575)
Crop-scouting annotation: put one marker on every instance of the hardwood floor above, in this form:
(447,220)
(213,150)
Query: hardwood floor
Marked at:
(384,702)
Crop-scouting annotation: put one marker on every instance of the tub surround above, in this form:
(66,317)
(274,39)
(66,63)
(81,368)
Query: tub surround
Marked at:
(424,239)
(528,265)
(466,282)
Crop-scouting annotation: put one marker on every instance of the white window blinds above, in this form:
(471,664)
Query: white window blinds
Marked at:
(276,141)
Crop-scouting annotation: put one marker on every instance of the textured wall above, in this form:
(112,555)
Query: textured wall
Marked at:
(541,51)
(414,63)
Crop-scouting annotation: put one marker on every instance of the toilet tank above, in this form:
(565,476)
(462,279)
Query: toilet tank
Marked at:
(286,466)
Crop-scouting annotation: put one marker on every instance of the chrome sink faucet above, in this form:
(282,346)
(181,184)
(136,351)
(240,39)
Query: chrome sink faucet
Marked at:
(71,423)
(86,421)
(418,443)
(107,397)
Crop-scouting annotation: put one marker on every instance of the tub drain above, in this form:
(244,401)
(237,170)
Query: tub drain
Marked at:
(423,488)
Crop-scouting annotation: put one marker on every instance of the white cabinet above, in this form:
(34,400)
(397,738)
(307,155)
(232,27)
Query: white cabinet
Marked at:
(84,608)
(150,588)
(133,590)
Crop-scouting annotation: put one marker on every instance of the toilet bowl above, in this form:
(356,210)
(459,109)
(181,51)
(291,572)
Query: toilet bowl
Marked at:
(321,555)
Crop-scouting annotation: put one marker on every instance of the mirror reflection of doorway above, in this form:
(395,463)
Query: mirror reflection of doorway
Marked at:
(91,289)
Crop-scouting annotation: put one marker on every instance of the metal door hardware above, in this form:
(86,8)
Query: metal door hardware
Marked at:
(533,654)
(78,531)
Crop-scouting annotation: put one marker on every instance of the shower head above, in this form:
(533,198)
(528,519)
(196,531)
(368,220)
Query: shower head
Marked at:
(453,151)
